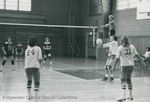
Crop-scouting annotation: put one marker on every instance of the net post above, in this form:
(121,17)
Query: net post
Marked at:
(93,36)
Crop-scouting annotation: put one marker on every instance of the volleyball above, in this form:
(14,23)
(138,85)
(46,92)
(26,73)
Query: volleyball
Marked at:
(99,41)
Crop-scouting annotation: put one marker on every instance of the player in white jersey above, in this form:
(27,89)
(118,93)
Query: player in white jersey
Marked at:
(112,45)
(126,53)
(33,59)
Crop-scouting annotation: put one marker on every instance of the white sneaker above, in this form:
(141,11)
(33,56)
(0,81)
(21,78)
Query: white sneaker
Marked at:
(121,99)
(51,63)
(44,62)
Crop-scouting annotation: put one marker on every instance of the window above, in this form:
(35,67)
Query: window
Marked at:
(126,4)
(143,10)
(18,5)
(95,7)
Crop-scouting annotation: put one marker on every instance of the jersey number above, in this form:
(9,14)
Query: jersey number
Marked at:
(30,52)
(127,51)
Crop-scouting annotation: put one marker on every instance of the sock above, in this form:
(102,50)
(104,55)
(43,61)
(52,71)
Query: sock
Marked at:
(3,63)
(12,62)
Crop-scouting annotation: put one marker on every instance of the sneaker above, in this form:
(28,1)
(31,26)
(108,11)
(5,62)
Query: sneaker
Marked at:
(44,62)
(29,97)
(130,98)
(110,79)
(104,78)
(51,63)
(121,99)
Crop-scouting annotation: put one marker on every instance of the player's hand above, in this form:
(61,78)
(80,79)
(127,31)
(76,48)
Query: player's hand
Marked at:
(16,53)
(4,53)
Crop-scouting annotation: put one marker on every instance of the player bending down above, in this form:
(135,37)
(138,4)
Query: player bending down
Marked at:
(19,51)
(112,45)
(8,51)
(47,50)
(33,59)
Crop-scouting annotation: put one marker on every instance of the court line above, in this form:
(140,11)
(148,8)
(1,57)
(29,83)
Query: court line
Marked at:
(72,66)
(90,70)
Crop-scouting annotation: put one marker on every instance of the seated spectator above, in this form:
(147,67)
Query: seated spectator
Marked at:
(146,55)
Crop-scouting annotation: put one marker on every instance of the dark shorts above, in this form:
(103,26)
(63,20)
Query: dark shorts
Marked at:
(33,73)
(19,51)
(8,54)
(112,32)
(126,72)
(47,52)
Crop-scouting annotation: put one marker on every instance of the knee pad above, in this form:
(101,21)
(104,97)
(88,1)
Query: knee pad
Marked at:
(45,59)
(109,67)
(111,62)
(36,84)
(12,62)
(29,83)
(50,58)
(106,67)
(3,63)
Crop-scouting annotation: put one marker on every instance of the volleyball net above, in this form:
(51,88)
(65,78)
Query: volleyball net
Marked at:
(62,36)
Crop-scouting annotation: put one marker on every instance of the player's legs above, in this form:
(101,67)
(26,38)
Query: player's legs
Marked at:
(16,56)
(123,83)
(36,77)
(129,82)
(29,81)
(45,58)
(12,63)
(110,64)
(50,58)
(105,78)
(3,63)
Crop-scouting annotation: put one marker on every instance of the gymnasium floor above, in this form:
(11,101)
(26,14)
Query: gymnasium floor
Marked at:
(72,80)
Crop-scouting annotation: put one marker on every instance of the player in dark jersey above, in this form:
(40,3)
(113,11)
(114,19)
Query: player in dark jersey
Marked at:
(19,51)
(8,51)
(47,50)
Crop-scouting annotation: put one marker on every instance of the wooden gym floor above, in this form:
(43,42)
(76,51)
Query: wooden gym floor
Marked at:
(71,80)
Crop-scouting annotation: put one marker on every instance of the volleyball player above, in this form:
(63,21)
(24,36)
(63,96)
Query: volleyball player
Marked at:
(110,25)
(47,50)
(8,50)
(112,45)
(19,50)
(126,53)
(33,59)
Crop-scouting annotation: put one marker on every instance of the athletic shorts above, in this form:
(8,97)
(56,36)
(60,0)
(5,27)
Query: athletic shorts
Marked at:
(19,51)
(47,52)
(33,73)
(110,61)
(112,32)
(8,54)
